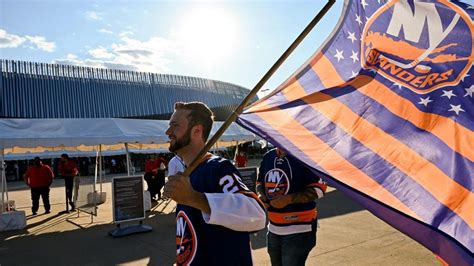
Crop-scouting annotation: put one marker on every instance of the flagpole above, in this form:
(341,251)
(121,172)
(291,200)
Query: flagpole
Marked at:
(233,116)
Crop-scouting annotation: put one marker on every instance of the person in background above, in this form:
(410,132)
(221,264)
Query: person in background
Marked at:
(160,174)
(68,170)
(176,165)
(113,166)
(215,211)
(151,171)
(39,178)
(84,167)
(289,190)
(241,159)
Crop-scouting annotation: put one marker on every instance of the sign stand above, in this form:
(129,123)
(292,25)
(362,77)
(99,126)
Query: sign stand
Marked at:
(130,229)
(128,205)
(249,176)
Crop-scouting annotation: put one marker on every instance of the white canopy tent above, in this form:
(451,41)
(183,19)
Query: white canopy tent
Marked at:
(27,138)
(33,136)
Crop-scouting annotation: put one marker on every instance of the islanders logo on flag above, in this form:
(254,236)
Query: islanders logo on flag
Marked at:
(420,45)
(186,241)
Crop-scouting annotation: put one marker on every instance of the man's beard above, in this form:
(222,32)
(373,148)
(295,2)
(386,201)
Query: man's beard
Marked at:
(182,142)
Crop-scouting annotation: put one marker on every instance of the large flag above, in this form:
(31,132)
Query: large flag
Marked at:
(385,109)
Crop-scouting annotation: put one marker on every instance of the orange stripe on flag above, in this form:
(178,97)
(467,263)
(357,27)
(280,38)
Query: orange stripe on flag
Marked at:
(331,161)
(291,88)
(325,71)
(442,187)
(457,137)
(294,91)
(259,106)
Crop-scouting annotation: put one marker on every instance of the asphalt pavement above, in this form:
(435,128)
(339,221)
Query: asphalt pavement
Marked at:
(347,235)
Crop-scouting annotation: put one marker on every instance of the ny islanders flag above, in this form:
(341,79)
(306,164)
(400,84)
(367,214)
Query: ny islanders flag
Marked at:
(385,109)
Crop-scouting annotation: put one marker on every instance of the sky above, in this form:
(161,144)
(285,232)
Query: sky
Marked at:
(234,41)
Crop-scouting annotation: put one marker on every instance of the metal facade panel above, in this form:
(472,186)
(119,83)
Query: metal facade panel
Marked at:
(39,90)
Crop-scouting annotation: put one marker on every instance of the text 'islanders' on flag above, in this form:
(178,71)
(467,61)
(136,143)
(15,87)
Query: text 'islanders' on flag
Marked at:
(385,110)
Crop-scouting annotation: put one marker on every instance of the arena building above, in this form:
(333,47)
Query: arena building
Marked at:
(40,90)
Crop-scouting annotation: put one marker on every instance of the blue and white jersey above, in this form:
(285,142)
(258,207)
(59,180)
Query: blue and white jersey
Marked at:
(286,175)
(221,238)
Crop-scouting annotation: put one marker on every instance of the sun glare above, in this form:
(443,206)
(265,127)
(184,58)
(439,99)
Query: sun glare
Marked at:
(208,34)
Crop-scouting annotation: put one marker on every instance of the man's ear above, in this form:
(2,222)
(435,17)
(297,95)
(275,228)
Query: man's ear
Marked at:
(197,131)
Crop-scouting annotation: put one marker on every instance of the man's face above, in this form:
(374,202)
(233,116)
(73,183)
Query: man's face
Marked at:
(178,132)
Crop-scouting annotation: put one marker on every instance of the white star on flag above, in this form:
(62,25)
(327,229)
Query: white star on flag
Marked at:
(464,76)
(448,94)
(363,3)
(425,101)
(352,37)
(354,56)
(398,85)
(469,91)
(354,74)
(456,109)
(339,55)
(358,19)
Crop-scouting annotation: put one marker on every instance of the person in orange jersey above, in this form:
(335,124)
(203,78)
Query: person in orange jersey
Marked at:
(289,190)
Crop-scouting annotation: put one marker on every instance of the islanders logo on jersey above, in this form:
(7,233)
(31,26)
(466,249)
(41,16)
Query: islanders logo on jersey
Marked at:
(186,241)
(423,46)
(277,183)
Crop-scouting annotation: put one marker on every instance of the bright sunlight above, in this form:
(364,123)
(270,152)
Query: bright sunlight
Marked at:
(209,35)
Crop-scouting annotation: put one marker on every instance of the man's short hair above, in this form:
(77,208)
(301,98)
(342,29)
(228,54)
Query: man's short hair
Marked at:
(200,115)
(65,156)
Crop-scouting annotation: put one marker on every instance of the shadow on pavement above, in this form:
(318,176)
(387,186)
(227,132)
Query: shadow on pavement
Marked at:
(46,240)
(89,246)
(334,204)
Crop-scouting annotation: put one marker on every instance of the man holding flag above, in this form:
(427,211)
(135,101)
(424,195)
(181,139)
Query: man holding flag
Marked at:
(215,210)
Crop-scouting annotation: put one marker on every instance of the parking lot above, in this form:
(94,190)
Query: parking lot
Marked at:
(348,235)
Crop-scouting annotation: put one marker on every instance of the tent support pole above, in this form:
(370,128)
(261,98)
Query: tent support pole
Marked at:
(97,160)
(236,150)
(94,186)
(4,183)
(128,159)
(100,166)
(96,171)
